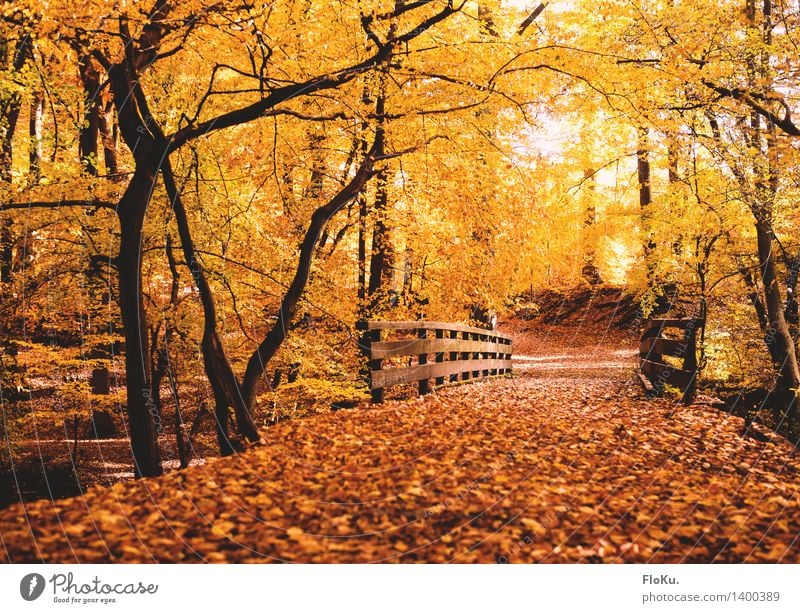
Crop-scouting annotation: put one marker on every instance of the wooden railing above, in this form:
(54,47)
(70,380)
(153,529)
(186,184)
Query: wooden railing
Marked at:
(443,353)
(656,372)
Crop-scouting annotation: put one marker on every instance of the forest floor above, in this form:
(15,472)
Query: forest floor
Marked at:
(564,462)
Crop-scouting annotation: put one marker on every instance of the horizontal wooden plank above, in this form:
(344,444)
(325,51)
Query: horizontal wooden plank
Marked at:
(665,374)
(662,346)
(430,325)
(395,349)
(394,376)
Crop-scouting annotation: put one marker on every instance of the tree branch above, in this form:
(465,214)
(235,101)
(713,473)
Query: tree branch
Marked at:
(282,94)
(750,99)
(100,204)
(531,18)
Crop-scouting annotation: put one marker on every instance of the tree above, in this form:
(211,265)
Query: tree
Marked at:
(150,148)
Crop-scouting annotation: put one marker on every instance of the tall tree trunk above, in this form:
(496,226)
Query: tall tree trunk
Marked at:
(108,134)
(9,116)
(778,337)
(180,434)
(10,110)
(90,130)
(363,211)
(141,408)
(792,310)
(645,202)
(674,178)
(102,421)
(218,368)
(148,146)
(754,295)
(35,136)
(10,119)
(6,251)
(362,251)
(381,264)
(766,169)
(277,334)
(590,271)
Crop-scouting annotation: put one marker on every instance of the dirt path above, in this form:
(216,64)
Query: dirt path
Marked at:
(564,463)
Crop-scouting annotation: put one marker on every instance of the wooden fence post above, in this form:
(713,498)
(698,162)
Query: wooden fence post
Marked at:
(465,355)
(424,384)
(440,355)
(374,336)
(453,356)
(475,356)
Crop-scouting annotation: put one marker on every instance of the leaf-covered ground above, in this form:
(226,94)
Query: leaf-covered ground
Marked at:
(567,462)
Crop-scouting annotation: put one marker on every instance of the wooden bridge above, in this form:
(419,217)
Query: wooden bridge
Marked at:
(443,352)
(401,352)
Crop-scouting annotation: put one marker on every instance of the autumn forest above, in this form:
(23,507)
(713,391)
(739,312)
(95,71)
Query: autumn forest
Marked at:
(399,280)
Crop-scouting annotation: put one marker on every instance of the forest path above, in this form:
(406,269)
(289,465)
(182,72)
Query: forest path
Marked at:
(566,462)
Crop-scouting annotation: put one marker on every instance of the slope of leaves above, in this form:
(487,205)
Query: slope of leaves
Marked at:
(564,463)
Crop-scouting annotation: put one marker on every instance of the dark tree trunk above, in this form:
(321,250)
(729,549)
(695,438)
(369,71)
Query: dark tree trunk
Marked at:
(108,134)
(102,420)
(673,158)
(792,311)
(141,408)
(766,171)
(11,110)
(180,438)
(778,336)
(218,368)
(381,259)
(754,295)
(362,231)
(10,119)
(90,130)
(674,178)
(148,148)
(381,264)
(275,337)
(363,311)
(645,202)
(6,251)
